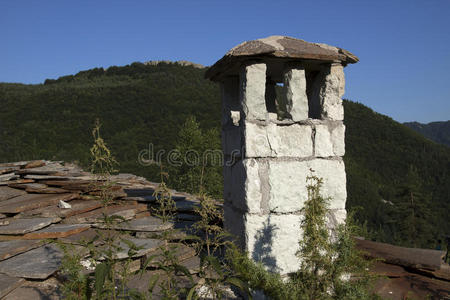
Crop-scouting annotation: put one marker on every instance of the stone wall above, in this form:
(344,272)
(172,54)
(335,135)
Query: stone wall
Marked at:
(268,158)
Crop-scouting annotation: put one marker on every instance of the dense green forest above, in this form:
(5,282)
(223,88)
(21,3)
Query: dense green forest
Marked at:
(398,180)
(435,131)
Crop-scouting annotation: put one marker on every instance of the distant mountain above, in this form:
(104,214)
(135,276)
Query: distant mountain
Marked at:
(143,105)
(438,132)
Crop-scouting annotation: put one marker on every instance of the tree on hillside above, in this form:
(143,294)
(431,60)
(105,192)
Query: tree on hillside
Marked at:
(413,211)
(197,161)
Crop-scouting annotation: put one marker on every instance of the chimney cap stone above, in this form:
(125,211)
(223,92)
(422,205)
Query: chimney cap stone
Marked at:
(283,47)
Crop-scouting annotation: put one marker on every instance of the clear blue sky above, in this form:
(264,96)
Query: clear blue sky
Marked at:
(403,46)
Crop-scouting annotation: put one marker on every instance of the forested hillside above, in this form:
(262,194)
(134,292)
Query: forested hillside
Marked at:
(400,179)
(435,131)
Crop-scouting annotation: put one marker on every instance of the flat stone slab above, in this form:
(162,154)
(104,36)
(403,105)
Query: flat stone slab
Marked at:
(22,226)
(32,201)
(78,207)
(79,238)
(12,182)
(127,212)
(4,170)
(187,205)
(7,284)
(8,193)
(50,232)
(192,264)
(187,217)
(46,177)
(37,290)
(11,248)
(182,252)
(148,245)
(139,192)
(143,224)
(38,263)
(9,176)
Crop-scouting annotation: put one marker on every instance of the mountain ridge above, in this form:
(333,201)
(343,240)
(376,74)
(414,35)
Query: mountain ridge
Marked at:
(438,131)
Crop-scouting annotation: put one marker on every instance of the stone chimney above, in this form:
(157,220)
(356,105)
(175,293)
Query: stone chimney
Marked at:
(282,120)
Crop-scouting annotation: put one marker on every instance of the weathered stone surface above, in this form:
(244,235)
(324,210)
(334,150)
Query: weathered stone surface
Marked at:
(17,181)
(48,190)
(140,282)
(278,141)
(139,192)
(256,141)
(32,201)
(55,231)
(295,90)
(22,226)
(234,223)
(187,217)
(278,46)
(144,224)
(12,248)
(253,86)
(323,145)
(291,141)
(77,207)
(187,205)
(9,176)
(7,284)
(192,264)
(73,185)
(94,216)
(8,193)
(246,186)
(37,290)
(338,140)
(146,246)
(12,169)
(231,141)
(336,217)
(332,87)
(273,240)
(80,238)
(34,164)
(25,185)
(182,252)
(288,183)
(38,263)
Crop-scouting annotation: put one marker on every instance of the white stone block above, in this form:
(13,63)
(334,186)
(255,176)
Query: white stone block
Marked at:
(290,141)
(336,217)
(230,98)
(334,180)
(256,141)
(331,90)
(278,141)
(287,180)
(231,141)
(338,140)
(273,240)
(245,188)
(295,91)
(253,88)
(227,184)
(252,186)
(323,146)
(234,223)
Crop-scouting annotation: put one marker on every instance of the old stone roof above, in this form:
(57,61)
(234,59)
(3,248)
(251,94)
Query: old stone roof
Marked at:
(42,200)
(281,47)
